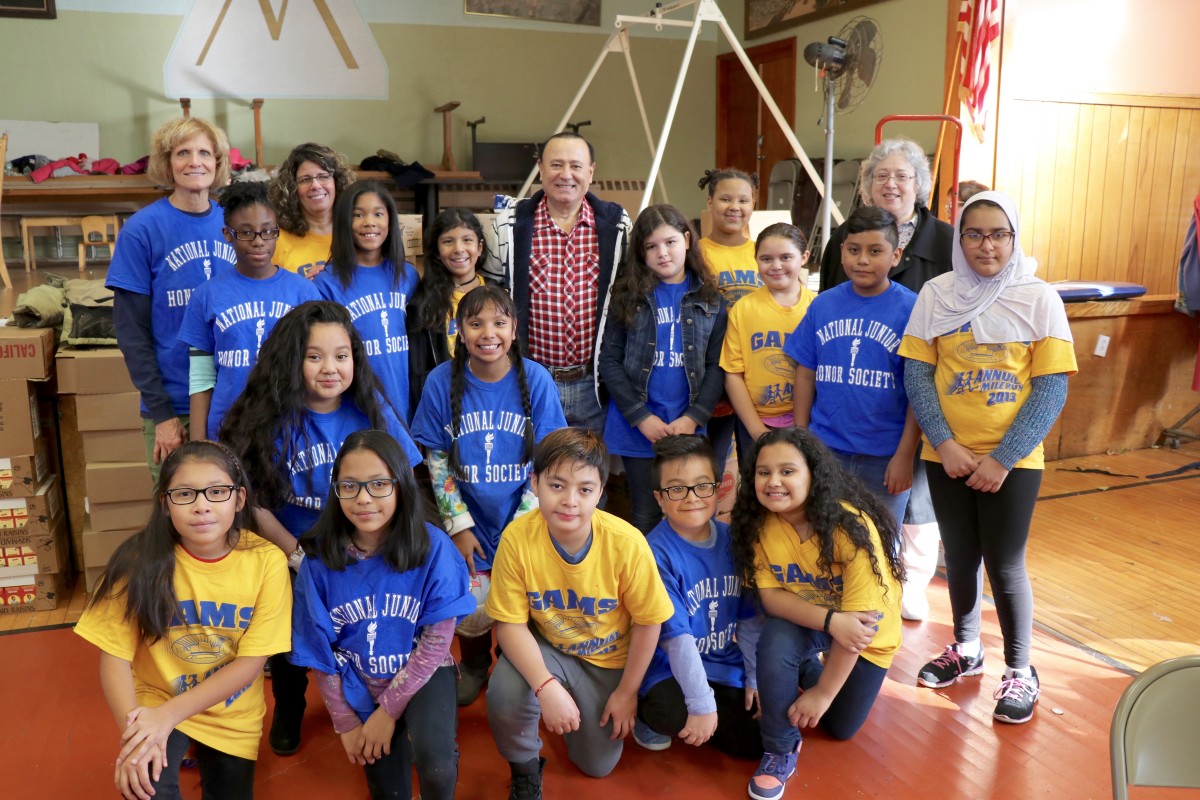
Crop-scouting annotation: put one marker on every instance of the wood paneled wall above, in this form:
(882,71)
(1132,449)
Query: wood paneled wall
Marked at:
(1104,183)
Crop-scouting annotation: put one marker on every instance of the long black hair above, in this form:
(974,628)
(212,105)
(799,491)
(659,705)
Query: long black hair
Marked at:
(265,425)
(142,569)
(343,258)
(431,300)
(831,486)
(637,280)
(405,543)
(472,304)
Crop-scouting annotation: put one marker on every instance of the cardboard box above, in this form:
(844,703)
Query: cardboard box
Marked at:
(91,576)
(20,476)
(26,352)
(38,593)
(98,546)
(414,235)
(36,552)
(120,516)
(108,412)
(23,517)
(127,445)
(20,427)
(118,481)
(99,370)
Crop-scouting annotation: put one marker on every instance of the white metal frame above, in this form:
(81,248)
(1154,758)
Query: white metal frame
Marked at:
(706,11)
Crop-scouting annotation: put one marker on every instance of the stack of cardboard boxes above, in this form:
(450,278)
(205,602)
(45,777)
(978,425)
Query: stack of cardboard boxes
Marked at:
(34,541)
(109,489)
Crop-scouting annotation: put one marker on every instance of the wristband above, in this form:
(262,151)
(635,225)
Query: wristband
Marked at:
(828,617)
(545,683)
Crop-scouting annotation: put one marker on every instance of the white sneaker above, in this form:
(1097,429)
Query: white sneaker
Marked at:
(914,607)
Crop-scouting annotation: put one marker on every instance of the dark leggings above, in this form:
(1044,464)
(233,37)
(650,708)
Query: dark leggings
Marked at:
(720,436)
(982,530)
(221,775)
(663,709)
(644,509)
(425,736)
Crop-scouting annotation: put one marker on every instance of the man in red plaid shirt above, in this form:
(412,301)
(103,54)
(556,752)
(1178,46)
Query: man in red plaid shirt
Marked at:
(561,251)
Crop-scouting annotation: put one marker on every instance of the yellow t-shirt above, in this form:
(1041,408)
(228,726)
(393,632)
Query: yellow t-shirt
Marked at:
(782,561)
(306,255)
(735,268)
(451,324)
(758,328)
(238,606)
(587,609)
(981,387)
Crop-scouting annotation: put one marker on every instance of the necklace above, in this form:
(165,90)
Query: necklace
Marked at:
(466,283)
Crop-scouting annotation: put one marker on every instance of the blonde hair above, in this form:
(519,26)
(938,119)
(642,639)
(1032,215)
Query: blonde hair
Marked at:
(176,131)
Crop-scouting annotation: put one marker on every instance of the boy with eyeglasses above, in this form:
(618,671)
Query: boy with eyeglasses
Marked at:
(700,686)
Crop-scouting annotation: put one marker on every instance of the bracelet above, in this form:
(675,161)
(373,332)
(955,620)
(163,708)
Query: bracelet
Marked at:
(545,683)
(295,558)
(828,617)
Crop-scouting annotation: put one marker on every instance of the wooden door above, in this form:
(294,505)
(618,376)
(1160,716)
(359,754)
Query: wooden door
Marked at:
(748,137)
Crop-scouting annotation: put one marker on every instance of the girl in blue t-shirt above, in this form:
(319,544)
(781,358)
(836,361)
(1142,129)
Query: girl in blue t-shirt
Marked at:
(479,418)
(376,604)
(311,388)
(229,317)
(368,275)
(661,351)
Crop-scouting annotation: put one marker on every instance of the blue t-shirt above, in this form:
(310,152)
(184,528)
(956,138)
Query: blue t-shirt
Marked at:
(311,467)
(378,312)
(852,343)
(667,390)
(230,317)
(363,620)
(706,589)
(166,253)
(491,441)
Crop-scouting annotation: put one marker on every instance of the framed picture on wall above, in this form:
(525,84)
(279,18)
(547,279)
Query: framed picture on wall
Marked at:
(39,9)
(765,17)
(576,12)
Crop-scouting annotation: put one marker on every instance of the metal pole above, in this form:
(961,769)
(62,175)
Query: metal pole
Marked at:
(827,200)
(637,93)
(662,142)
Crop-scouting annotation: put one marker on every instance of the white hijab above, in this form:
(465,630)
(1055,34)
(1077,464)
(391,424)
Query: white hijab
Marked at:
(1010,306)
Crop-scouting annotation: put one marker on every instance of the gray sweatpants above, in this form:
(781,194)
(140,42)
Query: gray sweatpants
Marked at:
(514,713)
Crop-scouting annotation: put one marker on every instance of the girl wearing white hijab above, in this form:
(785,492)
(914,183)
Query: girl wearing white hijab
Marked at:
(989,351)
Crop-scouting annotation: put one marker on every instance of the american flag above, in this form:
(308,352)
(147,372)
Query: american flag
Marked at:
(978,27)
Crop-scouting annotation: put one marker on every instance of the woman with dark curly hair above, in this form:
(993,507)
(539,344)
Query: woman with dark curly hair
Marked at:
(303,191)
(821,550)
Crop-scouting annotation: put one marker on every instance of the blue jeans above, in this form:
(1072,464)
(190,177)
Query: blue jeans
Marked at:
(787,659)
(871,470)
(580,405)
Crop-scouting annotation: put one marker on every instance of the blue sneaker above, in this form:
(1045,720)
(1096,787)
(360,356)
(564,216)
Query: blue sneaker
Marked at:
(772,775)
(649,738)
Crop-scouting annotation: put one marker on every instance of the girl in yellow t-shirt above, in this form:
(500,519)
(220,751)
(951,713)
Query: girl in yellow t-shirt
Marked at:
(822,552)
(185,616)
(988,352)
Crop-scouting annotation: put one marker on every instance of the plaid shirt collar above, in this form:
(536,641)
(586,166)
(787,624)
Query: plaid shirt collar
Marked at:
(541,216)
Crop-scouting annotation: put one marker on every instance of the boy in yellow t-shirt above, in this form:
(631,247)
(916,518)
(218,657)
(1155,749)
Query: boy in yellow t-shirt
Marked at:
(758,375)
(588,583)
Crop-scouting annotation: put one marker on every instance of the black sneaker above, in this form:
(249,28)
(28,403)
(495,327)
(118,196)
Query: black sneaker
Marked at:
(1016,698)
(526,780)
(284,737)
(949,667)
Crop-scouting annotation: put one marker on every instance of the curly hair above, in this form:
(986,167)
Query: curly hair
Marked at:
(916,159)
(836,500)
(175,132)
(713,177)
(636,280)
(266,424)
(243,194)
(285,195)
(429,306)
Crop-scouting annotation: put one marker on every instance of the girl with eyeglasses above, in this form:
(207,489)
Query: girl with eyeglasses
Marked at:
(230,316)
(377,600)
(311,388)
(303,191)
(700,685)
(479,418)
(185,616)
(988,351)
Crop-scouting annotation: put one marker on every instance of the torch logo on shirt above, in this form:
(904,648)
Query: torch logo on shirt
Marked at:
(384,319)
(207,269)
(371,634)
(712,616)
(259,327)
(489,441)
(854,350)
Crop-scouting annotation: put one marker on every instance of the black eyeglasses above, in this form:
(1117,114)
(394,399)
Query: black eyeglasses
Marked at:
(376,487)
(249,236)
(185,495)
(701,490)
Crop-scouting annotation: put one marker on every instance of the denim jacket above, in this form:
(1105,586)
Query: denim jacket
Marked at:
(627,356)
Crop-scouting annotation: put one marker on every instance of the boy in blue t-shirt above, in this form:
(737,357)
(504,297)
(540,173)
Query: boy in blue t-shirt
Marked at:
(700,685)
(849,387)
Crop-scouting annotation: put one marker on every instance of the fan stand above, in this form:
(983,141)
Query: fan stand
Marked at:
(828,207)
(706,11)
